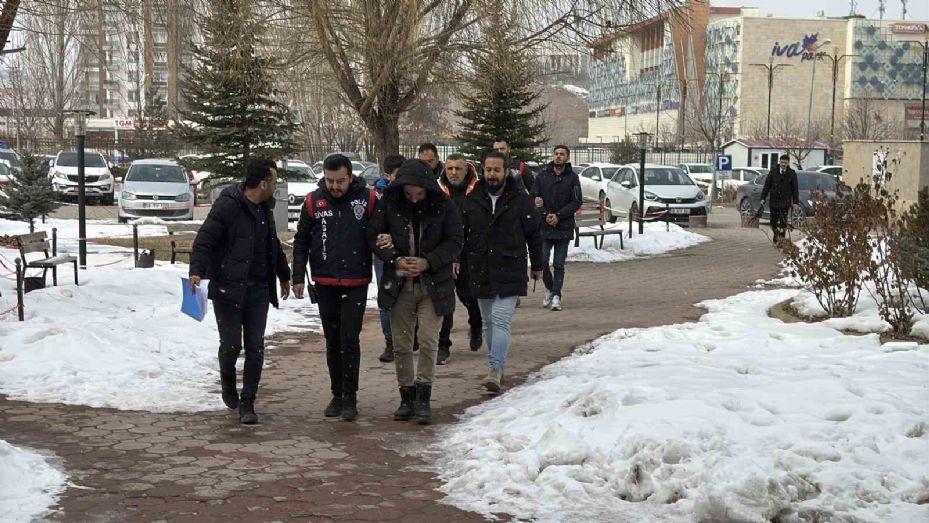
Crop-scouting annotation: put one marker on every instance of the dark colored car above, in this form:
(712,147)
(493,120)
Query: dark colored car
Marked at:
(810,183)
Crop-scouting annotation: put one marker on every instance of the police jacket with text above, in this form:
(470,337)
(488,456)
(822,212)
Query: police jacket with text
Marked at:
(331,236)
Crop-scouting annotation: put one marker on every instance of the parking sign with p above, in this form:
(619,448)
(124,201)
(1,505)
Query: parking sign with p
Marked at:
(724,162)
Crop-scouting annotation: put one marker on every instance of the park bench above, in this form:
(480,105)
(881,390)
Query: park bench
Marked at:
(594,218)
(182,232)
(38,242)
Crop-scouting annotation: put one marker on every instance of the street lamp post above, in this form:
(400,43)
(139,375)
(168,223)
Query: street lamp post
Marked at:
(922,114)
(809,114)
(836,60)
(658,115)
(80,130)
(643,144)
(771,68)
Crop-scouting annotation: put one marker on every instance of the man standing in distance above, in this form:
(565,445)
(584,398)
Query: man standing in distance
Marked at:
(331,235)
(430,154)
(516,167)
(781,184)
(458,181)
(557,193)
(417,232)
(500,223)
(238,250)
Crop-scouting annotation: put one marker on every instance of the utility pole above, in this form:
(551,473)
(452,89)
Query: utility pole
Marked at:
(80,130)
(658,115)
(809,114)
(836,59)
(771,68)
(922,114)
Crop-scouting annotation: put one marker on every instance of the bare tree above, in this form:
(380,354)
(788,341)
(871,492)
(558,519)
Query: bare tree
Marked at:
(7,17)
(712,118)
(791,135)
(864,120)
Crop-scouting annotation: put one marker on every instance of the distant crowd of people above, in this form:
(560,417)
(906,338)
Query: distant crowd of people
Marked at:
(429,230)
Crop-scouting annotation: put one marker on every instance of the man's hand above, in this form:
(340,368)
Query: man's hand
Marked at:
(194,282)
(298,290)
(551,219)
(536,275)
(539,202)
(384,241)
(412,267)
(285,289)
(456,269)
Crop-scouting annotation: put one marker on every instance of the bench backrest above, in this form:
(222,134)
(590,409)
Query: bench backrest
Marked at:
(182,231)
(34,242)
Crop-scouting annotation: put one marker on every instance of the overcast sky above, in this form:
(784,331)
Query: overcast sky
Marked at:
(916,9)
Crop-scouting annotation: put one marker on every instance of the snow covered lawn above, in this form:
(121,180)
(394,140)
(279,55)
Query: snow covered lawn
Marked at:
(655,241)
(738,417)
(28,484)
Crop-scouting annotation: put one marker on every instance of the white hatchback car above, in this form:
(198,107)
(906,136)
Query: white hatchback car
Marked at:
(593,180)
(156,189)
(667,188)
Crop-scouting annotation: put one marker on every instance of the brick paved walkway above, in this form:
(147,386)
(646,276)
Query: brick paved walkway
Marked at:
(297,466)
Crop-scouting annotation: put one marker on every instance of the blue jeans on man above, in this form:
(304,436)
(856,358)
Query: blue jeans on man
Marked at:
(554,283)
(497,316)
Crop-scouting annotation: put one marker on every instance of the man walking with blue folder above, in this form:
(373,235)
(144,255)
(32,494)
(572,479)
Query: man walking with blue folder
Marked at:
(238,250)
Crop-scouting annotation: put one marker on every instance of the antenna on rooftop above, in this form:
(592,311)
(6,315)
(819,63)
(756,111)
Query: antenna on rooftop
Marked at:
(903,2)
(852,5)
(881,7)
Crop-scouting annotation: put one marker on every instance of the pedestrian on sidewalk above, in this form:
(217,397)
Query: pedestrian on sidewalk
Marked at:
(237,248)
(782,186)
(331,235)
(500,223)
(388,174)
(458,181)
(417,232)
(557,193)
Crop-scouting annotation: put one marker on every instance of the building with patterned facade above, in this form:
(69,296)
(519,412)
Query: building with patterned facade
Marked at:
(711,62)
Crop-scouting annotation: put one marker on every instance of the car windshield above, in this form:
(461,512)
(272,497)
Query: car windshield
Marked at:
(697,168)
(608,172)
(666,176)
(814,181)
(156,173)
(70,160)
(10,156)
(302,171)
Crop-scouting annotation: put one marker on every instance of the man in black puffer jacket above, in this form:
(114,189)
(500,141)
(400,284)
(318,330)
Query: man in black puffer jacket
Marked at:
(781,184)
(500,222)
(331,235)
(237,249)
(417,232)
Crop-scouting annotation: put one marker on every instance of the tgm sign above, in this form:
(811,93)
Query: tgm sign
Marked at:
(805,49)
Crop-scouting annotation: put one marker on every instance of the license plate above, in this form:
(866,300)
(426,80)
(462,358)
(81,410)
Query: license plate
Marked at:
(153,206)
(680,211)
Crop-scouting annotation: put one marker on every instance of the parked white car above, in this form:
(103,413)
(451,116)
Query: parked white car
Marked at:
(737,176)
(593,180)
(98,181)
(156,189)
(835,170)
(666,188)
(299,186)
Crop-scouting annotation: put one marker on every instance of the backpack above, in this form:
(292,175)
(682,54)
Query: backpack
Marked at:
(369,209)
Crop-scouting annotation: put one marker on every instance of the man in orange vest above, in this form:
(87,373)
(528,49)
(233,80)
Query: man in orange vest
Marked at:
(457,181)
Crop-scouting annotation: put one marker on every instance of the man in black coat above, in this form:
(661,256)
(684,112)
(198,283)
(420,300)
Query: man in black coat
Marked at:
(331,235)
(429,153)
(782,186)
(417,232)
(458,181)
(237,249)
(557,193)
(500,223)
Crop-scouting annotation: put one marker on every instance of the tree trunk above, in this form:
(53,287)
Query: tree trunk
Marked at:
(59,89)
(7,17)
(101,59)
(385,130)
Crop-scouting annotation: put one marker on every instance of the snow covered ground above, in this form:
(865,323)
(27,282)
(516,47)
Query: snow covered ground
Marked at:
(118,340)
(67,229)
(865,319)
(737,417)
(29,485)
(654,242)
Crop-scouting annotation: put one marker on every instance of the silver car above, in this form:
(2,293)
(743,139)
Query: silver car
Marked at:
(156,189)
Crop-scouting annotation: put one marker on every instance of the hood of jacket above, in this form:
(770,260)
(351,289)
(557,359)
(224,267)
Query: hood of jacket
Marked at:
(417,173)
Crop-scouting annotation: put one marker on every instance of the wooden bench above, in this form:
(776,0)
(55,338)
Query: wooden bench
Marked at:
(37,242)
(594,219)
(182,232)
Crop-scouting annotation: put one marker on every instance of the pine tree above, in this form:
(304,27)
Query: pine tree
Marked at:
(29,194)
(504,102)
(234,113)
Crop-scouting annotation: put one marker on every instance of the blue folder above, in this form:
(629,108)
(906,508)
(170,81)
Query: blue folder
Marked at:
(194,304)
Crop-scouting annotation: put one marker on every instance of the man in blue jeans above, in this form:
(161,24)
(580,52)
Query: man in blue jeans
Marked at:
(499,223)
(557,194)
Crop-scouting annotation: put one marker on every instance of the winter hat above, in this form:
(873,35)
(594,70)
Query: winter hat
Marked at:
(415,172)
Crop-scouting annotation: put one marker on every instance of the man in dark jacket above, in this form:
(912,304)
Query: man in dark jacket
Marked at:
(517,168)
(499,223)
(458,181)
(417,232)
(557,193)
(782,186)
(429,153)
(237,249)
(331,235)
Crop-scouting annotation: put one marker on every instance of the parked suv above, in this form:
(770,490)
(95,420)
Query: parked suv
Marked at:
(156,189)
(98,181)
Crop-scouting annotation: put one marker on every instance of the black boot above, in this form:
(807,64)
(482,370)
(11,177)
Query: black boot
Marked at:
(443,355)
(227,356)
(477,340)
(388,355)
(334,408)
(247,414)
(349,407)
(230,394)
(405,412)
(421,408)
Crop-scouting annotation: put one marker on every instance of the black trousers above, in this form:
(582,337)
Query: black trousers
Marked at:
(462,287)
(247,323)
(342,310)
(779,222)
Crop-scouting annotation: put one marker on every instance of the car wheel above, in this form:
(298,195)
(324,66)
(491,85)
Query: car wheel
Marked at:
(796,219)
(120,219)
(107,200)
(610,217)
(745,206)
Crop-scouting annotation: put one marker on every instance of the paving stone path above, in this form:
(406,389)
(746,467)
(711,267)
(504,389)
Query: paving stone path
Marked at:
(298,466)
